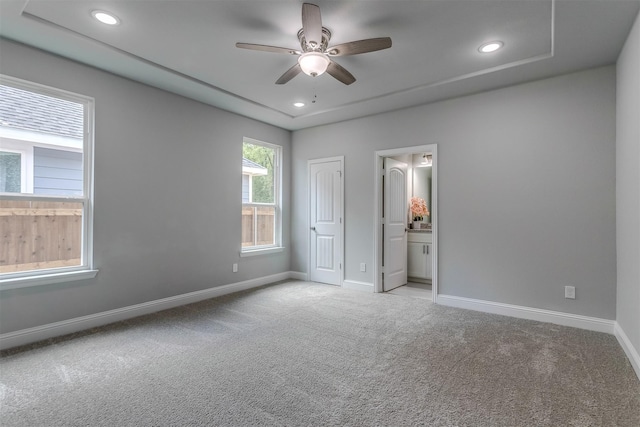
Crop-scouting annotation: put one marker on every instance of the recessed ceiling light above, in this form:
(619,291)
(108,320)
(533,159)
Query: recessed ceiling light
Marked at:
(105,17)
(490,47)
(298,104)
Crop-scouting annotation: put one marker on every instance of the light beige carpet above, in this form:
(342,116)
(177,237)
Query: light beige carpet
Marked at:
(299,354)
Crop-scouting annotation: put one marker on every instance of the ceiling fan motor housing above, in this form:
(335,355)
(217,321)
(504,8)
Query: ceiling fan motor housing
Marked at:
(326,36)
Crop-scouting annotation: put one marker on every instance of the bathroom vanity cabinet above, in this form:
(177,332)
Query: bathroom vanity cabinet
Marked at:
(419,255)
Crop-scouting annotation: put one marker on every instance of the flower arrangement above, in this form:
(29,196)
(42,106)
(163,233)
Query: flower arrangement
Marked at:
(418,208)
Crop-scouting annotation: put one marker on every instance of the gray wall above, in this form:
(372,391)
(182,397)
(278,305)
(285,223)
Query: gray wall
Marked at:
(167,209)
(628,187)
(526,187)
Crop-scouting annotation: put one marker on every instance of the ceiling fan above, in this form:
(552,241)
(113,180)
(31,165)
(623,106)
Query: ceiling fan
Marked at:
(315,57)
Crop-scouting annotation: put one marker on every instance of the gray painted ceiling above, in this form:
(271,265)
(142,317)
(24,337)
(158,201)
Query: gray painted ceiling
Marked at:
(188,47)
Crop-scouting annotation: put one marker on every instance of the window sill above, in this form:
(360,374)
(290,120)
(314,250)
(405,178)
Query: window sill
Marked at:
(265,251)
(46,279)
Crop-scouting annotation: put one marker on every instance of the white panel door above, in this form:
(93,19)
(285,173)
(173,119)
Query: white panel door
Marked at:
(325,222)
(395,224)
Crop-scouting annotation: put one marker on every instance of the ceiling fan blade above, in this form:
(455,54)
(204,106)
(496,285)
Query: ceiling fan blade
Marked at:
(265,48)
(312,25)
(337,71)
(289,74)
(360,46)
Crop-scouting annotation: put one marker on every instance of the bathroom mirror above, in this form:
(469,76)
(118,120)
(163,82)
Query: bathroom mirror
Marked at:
(422,186)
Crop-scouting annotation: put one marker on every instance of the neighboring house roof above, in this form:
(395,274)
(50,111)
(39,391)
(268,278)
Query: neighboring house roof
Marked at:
(34,112)
(252,168)
(251,164)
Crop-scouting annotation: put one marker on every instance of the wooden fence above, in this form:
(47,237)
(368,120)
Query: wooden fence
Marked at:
(38,235)
(258,225)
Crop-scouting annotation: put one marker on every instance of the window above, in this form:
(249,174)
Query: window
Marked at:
(11,172)
(261,213)
(46,184)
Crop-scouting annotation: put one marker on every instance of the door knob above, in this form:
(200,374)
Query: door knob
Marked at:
(313,228)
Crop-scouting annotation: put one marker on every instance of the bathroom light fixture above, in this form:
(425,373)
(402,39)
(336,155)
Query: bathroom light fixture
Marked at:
(105,17)
(491,46)
(313,63)
(298,104)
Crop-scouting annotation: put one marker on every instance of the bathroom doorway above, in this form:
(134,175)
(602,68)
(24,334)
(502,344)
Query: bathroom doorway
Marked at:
(421,241)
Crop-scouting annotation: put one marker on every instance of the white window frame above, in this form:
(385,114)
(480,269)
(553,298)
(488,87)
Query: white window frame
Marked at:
(86,268)
(277,178)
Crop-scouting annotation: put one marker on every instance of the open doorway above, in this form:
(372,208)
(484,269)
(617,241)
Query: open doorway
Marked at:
(419,245)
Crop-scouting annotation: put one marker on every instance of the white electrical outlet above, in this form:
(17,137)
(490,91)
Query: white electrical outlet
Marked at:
(570,292)
(363,266)
(235,267)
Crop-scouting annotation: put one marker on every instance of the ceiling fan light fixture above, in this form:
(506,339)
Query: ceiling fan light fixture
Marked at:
(105,17)
(313,63)
(491,46)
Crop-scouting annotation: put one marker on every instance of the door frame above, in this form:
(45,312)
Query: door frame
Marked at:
(342,219)
(377,209)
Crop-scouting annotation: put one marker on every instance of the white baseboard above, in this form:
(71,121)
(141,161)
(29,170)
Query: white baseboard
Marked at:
(38,333)
(629,349)
(357,286)
(522,312)
(298,275)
